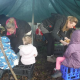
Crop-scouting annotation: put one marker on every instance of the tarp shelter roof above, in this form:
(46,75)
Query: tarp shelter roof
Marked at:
(23,9)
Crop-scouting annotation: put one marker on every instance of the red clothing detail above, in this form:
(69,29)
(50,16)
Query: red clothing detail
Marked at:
(37,32)
(74,27)
(50,26)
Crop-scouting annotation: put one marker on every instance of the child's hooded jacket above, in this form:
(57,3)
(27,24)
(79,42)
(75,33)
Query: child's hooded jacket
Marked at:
(28,54)
(72,53)
(12,57)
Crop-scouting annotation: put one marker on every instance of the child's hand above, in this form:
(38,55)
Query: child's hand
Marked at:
(20,46)
(35,55)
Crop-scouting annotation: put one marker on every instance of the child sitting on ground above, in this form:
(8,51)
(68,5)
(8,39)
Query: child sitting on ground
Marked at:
(27,51)
(71,57)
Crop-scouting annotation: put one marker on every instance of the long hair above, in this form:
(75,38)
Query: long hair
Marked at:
(71,19)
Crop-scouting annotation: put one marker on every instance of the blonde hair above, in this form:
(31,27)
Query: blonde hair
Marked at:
(27,39)
(10,24)
(71,19)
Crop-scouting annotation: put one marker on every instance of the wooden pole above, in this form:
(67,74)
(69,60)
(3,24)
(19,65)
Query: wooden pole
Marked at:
(1,46)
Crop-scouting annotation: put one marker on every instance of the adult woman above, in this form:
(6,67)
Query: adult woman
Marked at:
(55,28)
(15,30)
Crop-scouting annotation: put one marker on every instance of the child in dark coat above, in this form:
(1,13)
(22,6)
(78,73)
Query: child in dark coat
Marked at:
(71,57)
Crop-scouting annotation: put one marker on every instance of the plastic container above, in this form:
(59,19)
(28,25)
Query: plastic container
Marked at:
(23,70)
(70,73)
(58,48)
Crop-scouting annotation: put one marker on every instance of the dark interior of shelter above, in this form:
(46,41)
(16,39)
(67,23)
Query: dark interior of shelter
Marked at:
(34,12)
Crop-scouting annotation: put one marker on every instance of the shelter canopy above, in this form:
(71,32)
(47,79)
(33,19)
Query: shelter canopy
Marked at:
(22,9)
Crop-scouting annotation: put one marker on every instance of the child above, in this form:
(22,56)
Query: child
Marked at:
(39,34)
(12,57)
(71,57)
(27,52)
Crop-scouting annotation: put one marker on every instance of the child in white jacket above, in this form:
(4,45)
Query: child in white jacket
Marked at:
(27,51)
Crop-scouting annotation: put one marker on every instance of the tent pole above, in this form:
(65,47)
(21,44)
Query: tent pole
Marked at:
(32,27)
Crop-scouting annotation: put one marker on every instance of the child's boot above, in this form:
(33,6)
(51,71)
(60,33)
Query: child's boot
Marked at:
(57,74)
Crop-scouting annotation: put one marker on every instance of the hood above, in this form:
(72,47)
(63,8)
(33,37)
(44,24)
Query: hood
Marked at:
(75,37)
(27,49)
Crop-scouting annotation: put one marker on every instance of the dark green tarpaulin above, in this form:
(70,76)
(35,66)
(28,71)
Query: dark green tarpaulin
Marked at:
(22,9)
